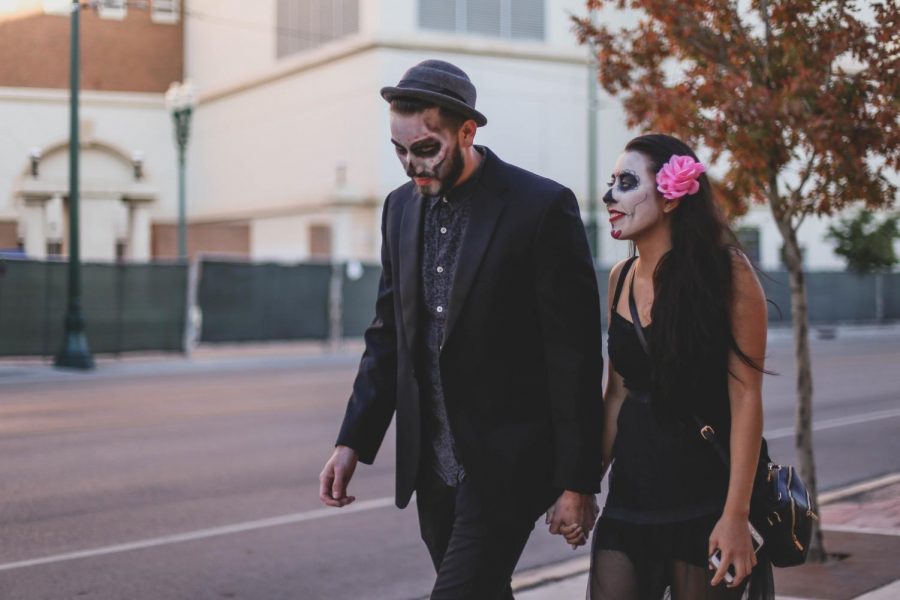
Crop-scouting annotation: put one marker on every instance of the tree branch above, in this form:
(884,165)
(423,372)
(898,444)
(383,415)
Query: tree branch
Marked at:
(797,195)
(804,212)
(717,52)
(797,192)
(739,26)
(764,12)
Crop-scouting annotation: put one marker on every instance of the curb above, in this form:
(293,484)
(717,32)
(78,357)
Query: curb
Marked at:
(541,576)
(859,488)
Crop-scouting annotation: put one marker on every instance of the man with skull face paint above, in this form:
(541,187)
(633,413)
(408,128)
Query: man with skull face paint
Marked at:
(486,344)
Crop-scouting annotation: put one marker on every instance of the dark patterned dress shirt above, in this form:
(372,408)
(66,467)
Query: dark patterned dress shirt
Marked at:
(445,222)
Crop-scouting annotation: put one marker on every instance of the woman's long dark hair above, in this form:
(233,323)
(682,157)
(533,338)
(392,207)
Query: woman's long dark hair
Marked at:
(691,334)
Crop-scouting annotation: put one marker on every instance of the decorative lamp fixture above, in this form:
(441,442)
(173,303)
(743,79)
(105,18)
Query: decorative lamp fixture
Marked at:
(137,162)
(35,156)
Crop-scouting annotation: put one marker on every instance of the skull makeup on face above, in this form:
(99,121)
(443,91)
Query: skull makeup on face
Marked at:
(632,200)
(428,150)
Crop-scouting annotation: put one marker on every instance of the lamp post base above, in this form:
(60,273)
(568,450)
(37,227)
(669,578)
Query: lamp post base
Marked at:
(75,353)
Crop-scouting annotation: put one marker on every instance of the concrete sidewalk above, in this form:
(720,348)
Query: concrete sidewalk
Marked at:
(862,532)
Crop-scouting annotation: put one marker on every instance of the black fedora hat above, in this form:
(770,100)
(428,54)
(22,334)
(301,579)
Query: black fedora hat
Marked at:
(441,83)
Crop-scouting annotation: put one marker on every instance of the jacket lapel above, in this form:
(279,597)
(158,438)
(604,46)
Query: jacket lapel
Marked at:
(488,204)
(410,260)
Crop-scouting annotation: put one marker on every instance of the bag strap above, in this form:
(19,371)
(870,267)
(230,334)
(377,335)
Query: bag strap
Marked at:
(705,430)
(636,319)
(621,281)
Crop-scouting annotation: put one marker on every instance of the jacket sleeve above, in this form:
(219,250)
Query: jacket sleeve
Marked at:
(374,395)
(569,309)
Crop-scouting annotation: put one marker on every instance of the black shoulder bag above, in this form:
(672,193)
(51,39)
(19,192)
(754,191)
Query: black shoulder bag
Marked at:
(780,507)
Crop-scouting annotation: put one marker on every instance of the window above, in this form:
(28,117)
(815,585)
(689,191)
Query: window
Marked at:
(164,11)
(320,242)
(112,9)
(527,19)
(483,17)
(57,7)
(513,19)
(305,24)
(749,239)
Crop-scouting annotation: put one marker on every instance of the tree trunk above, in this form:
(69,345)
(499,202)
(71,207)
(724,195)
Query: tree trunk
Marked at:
(800,318)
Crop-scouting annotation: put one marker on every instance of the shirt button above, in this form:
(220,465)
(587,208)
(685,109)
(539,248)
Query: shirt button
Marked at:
(440,309)
(443,230)
(440,269)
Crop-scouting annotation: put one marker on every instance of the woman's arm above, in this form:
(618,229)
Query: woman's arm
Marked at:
(748,322)
(614,395)
(612,403)
(749,325)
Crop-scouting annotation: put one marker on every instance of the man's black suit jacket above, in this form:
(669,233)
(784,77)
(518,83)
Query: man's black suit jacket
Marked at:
(521,361)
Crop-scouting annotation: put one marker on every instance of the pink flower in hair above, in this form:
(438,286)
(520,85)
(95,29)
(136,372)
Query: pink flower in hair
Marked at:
(679,176)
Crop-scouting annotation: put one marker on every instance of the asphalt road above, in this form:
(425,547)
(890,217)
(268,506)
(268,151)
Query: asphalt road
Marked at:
(198,479)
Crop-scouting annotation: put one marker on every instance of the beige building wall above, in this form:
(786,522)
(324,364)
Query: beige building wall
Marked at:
(301,142)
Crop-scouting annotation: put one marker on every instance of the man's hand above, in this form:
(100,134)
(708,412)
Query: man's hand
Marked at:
(336,476)
(573,516)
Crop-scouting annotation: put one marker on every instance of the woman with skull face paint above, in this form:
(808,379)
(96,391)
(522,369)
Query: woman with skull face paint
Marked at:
(701,313)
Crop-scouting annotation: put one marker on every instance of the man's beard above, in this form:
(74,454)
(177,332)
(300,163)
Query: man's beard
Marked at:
(454,170)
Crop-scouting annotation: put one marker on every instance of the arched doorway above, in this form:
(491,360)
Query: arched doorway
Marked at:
(114,207)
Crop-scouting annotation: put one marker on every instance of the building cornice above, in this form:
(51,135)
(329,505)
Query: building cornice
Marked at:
(43,189)
(89,98)
(246,216)
(358,45)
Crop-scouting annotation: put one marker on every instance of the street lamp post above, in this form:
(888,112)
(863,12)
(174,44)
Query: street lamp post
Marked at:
(180,102)
(75,352)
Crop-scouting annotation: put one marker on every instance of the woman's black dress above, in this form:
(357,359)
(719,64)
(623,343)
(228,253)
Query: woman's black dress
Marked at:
(667,489)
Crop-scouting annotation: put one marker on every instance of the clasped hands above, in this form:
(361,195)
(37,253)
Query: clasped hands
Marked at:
(573,516)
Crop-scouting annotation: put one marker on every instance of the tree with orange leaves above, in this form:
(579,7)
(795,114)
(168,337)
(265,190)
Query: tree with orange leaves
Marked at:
(796,99)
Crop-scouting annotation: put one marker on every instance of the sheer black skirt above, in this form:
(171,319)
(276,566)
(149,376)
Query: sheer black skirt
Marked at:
(631,561)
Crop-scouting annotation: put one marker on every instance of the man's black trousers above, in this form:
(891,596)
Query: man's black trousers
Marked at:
(474,553)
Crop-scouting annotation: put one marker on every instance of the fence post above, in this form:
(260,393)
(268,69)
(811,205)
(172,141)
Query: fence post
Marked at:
(192,315)
(123,270)
(48,294)
(879,297)
(335,306)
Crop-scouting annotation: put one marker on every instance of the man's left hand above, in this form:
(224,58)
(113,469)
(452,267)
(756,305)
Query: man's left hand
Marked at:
(573,509)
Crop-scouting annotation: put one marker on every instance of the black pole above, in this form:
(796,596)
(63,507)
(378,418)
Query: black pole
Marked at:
(75,352)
